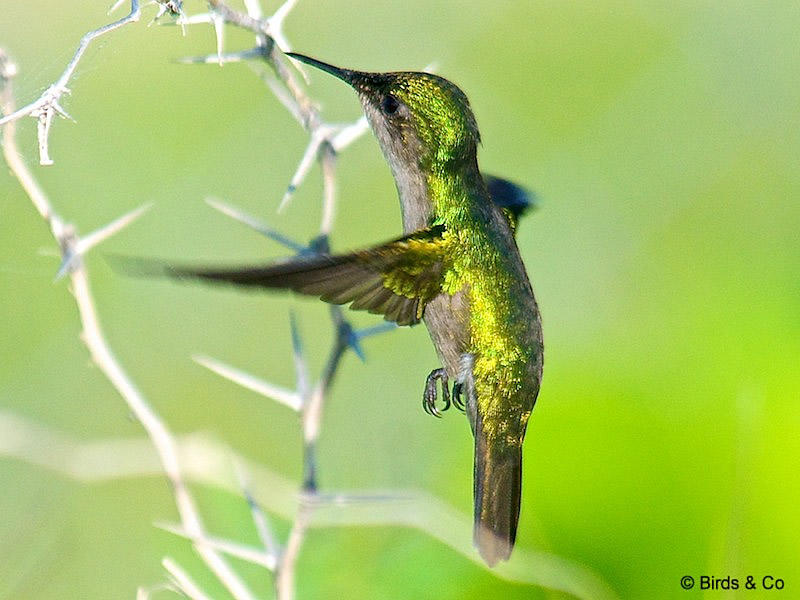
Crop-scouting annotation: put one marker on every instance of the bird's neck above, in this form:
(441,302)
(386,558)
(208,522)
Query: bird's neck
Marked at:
(458,193)
(443,192)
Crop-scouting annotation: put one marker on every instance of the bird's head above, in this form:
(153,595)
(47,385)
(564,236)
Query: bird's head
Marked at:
(416,116)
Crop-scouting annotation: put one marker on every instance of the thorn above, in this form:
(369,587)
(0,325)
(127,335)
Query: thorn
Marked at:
(351,339)
(283,11)
(219,31)
(288,101)
(161,12)
(349,134)
(353,342)
(253,8)
(233,57)
(181,20)
(198,19)
(259,517)
(181,580)
(338,136)
(376,329)
(259,386)
(243,551)
(300,363)
(60,110)
(275,28)
(91,240)
(68,263)
(306,162)
(354,336)
(172,528)
(347,498)
(115,6)
(318,245)
(255,224)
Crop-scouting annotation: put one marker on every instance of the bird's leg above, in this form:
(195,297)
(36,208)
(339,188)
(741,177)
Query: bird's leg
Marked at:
(466,386)
(472,402)
(431,392)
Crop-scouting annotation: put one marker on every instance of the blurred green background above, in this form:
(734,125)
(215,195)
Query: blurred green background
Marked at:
(663,141)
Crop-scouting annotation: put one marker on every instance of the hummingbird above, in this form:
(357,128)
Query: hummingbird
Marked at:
(456,268)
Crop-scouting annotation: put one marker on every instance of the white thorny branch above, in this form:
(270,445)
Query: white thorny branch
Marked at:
(325,141)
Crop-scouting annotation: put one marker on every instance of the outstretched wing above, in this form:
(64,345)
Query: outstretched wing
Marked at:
(396,279)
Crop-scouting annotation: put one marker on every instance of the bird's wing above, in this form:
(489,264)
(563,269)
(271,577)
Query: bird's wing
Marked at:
(514,200)
(395,279)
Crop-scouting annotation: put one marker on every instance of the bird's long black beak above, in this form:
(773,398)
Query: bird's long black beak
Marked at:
(346,75)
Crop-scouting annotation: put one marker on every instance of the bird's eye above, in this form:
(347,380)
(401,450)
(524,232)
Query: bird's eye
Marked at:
(389,104)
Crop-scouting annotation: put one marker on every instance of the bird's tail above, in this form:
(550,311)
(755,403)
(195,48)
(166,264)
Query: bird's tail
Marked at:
(497,489)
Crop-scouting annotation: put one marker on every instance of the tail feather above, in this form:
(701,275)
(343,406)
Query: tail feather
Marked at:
(497,490)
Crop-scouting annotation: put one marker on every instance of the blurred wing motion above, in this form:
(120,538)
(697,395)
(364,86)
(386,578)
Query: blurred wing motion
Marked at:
(396,279)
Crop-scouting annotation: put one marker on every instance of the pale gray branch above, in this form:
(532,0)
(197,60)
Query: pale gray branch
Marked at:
(181,580)
(244,552)
(70,243)
(207,462)
(47,105)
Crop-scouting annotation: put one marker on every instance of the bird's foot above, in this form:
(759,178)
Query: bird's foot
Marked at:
(432,391)
(457,401)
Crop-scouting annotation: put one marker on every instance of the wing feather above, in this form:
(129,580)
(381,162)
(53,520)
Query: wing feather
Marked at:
(395,279)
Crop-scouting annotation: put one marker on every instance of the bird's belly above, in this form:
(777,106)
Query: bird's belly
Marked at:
(447,320)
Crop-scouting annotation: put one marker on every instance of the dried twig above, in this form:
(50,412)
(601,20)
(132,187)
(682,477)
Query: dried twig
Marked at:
(46,106)
(325,141)
(206,462)
(73,248)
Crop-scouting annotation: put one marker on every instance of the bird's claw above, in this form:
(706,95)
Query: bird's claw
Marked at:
(431,392)
(457,401)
